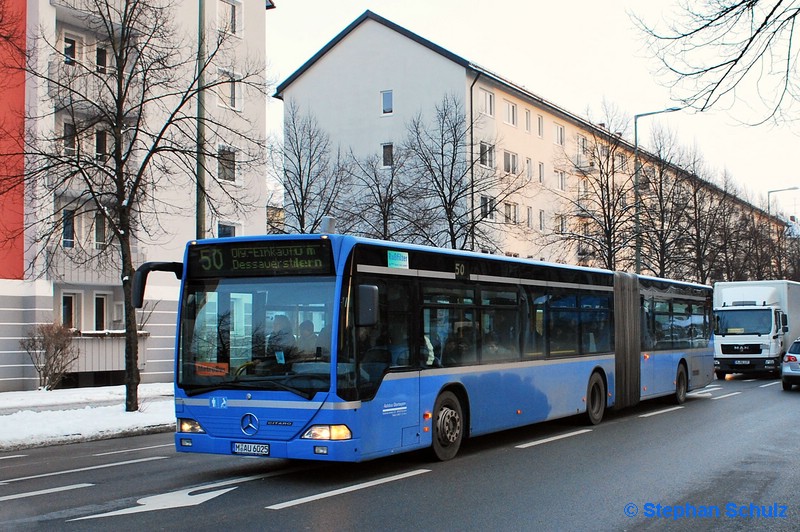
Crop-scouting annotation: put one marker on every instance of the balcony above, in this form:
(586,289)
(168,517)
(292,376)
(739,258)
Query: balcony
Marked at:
(75,266)
(105,351)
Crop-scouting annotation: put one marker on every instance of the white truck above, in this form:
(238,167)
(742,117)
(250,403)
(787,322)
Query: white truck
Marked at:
(755,322)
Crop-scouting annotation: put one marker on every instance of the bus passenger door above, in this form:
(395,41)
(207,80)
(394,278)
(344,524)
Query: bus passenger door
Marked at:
(388,359)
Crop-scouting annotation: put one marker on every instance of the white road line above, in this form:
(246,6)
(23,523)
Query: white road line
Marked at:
(13,456)
(43,492)
(770,384)
(90,468)
(748,380)
(726,395)
(341,491)
(554,438)
(134,450)
(657,412)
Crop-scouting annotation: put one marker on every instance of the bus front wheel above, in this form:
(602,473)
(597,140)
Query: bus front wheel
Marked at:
(448,426)
(595,399)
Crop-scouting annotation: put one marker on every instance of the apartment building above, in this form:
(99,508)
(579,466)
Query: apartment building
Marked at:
(371,79)
(50,281)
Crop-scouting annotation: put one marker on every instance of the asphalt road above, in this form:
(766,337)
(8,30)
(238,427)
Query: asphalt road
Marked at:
(725,460)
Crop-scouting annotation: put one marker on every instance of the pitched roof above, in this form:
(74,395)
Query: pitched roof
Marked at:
(368,15)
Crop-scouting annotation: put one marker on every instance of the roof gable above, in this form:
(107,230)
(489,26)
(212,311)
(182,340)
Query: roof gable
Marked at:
(368,15)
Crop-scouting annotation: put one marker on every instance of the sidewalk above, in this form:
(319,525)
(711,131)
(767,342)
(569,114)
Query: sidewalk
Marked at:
(36,418)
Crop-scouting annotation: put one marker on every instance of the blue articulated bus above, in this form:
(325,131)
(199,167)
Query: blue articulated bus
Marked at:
(333,347)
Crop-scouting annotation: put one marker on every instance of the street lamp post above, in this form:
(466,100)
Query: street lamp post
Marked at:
(636,194)
(769,192)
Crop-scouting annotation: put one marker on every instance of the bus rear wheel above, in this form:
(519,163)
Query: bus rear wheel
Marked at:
(681,385)
(448,426)
(595,399)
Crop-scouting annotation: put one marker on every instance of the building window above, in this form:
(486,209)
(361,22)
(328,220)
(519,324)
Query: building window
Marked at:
(100,310)
(226,230)
(560,138)
(101,146)
(101,60)
(70,50)
(582,157)
(487,207)
(509,162)
(622,162)
(529,218)
(387,158)
(100,239)
(70,311)
(562,224)
(229,13)
(68,228)
(541,172)
(70,139)
(511,213)
(226,165)
(487,155)
(541,220)
(488,102)
(561,178)
(387,102)
(528,168)
(229,91)
(511,113)
(527,120)
(540,126)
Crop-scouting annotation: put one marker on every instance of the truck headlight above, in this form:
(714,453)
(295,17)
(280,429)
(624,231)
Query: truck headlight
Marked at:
(328,432)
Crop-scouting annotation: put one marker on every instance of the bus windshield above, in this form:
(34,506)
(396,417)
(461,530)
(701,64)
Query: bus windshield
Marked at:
(745,321)
(256,333)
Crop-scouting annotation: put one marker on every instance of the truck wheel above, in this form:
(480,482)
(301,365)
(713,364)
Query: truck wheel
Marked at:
(681,385)
(595,399)
(786,385)
(448,426)
(720,375)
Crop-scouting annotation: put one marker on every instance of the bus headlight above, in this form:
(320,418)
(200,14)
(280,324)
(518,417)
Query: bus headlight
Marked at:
(328,432)
(190,425)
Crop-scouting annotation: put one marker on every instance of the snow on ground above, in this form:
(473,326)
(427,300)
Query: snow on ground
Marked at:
(41,417)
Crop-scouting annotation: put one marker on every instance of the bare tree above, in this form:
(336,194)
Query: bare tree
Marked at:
(717,51)
(457,185)
(665,202)
(383,199)
(600,207)
(314,177)
(115,135)
(50,348)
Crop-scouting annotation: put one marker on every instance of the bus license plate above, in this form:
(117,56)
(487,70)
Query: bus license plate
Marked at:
(260,449)
(741,362)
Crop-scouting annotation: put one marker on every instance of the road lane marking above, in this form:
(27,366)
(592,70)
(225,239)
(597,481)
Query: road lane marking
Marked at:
(770,384)
(726,395)
(554,438)
(89,468)
(13,456)
(348,489)
(43,492)
(136,449)
(664,411)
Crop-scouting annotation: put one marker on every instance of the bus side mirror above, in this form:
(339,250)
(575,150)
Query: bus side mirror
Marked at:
(140,277)
(367,305)
(784,320)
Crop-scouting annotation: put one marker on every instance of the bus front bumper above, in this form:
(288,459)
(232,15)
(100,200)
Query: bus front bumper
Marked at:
(327,450)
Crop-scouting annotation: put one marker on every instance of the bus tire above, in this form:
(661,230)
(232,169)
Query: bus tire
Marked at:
(448,426)
(595,399)
(681,385)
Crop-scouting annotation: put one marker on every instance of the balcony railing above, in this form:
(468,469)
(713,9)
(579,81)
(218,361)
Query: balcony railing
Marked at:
(105,351)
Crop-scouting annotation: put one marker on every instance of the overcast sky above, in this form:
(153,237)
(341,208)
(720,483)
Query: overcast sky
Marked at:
(575,53)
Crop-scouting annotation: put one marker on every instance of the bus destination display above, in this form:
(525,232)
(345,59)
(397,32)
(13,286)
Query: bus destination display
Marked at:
(246,259)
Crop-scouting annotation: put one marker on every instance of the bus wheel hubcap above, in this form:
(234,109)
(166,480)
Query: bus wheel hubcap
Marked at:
(449,426)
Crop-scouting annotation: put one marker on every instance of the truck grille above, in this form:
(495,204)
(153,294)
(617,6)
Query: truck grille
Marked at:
(741,349)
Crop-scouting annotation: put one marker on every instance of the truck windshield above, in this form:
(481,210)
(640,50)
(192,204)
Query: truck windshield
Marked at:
(744,321)
(256,333)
